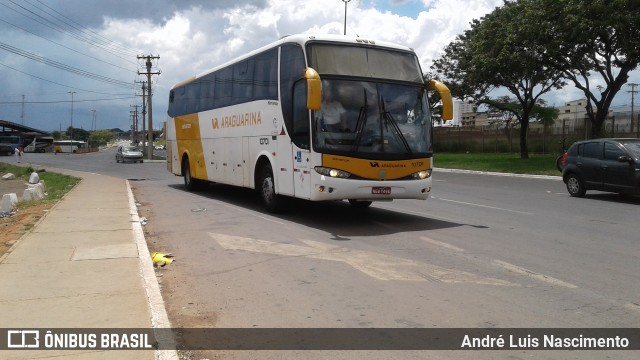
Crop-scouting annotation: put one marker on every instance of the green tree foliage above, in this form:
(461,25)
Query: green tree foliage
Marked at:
(497,52)
(583,38)
(100,137)
(78,134)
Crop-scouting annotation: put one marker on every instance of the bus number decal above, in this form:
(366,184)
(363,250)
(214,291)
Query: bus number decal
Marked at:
(264,141)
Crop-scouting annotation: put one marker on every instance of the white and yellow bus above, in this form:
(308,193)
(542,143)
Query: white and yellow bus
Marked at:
(321,117)
(69,146)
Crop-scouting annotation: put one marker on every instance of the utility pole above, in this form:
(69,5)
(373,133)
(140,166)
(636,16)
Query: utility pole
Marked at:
(149,100)
(22,113)
(134,127)
(93,121)
(633,91)
(71,135)
(144,102)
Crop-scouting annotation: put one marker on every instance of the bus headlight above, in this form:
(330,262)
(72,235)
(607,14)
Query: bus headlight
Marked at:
(421,175)
(332,172)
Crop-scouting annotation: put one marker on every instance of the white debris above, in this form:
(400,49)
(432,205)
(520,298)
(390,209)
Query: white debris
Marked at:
(34,178)
(8,202)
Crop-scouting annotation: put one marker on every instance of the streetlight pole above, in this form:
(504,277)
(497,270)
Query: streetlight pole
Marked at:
(71,135)
(345,15)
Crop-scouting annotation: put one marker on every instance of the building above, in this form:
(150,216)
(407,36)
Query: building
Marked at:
(573,115)
(461,107)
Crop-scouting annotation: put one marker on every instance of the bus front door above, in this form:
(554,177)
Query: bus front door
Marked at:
(301,173)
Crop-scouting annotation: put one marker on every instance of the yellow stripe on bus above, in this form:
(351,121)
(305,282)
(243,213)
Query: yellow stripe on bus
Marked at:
(190,143)
(376,169)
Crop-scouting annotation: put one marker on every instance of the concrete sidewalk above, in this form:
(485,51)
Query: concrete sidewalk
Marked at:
(84,265)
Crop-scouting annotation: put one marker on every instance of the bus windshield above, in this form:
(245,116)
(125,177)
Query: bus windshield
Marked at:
(372,120)
(361,61)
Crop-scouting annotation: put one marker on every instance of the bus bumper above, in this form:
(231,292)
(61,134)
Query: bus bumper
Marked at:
(329,188)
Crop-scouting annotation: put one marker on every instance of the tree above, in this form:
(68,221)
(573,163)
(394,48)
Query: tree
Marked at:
(509,110)
(100,137)
(582,38)
(497,53)
(78,134)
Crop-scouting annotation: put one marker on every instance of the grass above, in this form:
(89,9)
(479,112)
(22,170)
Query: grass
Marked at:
(509,163)
(57,184)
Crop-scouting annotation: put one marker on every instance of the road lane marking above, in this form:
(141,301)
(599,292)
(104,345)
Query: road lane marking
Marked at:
(484,206)
(378,266)
(533,274)
(443,244)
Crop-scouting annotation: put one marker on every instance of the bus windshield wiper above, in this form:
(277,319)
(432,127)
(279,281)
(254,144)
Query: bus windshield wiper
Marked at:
(361,123)
(388,119)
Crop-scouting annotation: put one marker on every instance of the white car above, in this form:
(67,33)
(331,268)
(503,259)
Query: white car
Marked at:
(128,153)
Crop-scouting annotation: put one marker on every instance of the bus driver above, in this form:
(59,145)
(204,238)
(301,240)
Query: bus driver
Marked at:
(333,114)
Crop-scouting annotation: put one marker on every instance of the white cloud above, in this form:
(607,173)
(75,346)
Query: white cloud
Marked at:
(192,40)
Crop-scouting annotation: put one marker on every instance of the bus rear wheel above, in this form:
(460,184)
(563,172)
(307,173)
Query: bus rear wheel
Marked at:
(267,190)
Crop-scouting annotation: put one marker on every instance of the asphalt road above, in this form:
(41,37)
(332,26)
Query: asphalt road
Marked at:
(484,251)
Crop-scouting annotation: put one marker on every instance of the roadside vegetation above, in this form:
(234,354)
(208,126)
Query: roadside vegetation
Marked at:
(28,213)
(531,47)
(57,184)
(508,163)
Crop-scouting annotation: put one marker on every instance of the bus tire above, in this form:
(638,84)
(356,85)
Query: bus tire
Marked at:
(189,182)
(267,190)
(360,204)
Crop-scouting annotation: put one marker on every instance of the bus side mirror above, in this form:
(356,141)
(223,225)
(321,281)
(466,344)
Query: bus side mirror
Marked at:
(314,89)
(445,95)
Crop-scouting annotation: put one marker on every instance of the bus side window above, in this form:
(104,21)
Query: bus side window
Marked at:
(301,128)
(292,67)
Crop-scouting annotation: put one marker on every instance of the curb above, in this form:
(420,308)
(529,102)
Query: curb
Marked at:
(159,318)
(528,176)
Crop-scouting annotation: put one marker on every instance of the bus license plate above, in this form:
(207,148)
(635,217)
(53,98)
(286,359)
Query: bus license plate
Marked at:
(381,190)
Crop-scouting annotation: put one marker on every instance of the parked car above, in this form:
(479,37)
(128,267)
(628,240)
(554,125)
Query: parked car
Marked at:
(603,164)
(128,153)
(560,160)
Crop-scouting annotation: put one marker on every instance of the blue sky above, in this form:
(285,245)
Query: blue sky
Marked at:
(409,8)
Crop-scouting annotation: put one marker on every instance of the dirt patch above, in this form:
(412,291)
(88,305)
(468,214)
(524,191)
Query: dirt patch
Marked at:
(14,226)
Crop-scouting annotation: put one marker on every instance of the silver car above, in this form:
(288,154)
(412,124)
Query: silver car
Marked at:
(128,153)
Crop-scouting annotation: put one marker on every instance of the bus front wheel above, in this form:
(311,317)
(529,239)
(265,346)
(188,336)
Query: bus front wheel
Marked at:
(360,204)
(267,190)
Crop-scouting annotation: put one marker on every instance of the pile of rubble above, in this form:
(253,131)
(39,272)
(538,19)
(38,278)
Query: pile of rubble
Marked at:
(35,191)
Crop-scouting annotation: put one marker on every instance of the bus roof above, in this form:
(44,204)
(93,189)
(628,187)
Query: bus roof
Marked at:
(300,39)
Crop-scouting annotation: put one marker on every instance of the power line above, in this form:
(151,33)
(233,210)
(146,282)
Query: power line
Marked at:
(86,30)
(66,47)
(56,83)
(64,101)
(50,24)
(62,66)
